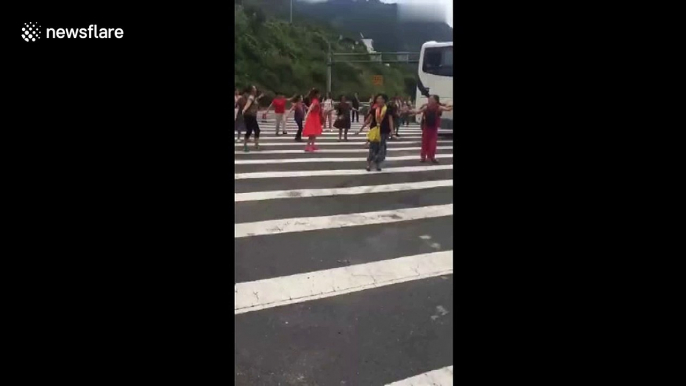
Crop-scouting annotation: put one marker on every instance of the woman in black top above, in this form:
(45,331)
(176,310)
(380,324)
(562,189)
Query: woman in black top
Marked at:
(239,122)
(356,106)
(343,118)
(381,115)
(250,116)
(299,112)
(408,107)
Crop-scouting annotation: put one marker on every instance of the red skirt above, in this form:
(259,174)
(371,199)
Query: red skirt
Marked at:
(313,126)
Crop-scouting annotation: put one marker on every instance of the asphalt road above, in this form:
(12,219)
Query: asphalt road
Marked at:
(344,277)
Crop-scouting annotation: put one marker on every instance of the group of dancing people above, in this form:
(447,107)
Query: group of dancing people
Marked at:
(384,119)
(308,114)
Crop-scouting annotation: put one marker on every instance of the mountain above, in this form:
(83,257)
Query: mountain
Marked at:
(291,58)
(374,19)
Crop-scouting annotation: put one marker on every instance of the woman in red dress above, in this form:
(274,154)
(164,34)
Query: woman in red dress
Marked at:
(431,120)
(313,121)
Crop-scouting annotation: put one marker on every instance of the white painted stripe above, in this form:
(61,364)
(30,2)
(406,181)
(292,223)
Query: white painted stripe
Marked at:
(304,224)
(310,159)
(271,118)
(300,193)
(271,128)
(361,138)
(291,121)
(270,125)
(325,151)
(440,377)
(291,132)
(334,143)
(329,135)
(351,132)
(326,134)
(343,172)
(351,136)
(279,291)
(291,124)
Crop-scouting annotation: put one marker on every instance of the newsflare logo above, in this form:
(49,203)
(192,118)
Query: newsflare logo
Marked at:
(31,32)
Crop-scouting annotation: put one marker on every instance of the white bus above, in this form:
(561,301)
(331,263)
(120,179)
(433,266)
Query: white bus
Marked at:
(435,77)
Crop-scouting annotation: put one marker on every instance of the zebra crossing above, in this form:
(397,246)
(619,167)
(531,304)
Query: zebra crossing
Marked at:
(343,276)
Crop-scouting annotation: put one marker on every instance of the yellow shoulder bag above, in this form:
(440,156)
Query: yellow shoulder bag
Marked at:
(374,134)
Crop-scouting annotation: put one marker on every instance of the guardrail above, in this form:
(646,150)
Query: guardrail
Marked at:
(375,57)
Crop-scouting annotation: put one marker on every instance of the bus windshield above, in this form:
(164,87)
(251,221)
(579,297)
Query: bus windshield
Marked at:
(438,61)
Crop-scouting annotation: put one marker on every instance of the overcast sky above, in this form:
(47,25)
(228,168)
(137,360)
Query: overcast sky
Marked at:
(444,7)
(441,9)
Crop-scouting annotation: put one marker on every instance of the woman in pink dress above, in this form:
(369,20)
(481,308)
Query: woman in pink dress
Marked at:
(313,121)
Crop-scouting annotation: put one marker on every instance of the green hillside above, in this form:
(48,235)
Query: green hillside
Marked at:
(374,19)
(277,56)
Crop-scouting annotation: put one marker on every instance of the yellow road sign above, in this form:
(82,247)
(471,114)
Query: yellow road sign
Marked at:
(377,80)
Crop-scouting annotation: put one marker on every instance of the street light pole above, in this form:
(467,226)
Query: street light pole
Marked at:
(328,69)
(291,11)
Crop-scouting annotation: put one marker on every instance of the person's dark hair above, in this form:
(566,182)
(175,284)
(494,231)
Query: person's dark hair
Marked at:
(313,93)
(248,90)
(384,96)
(438,100)
(298,98)
(342,97)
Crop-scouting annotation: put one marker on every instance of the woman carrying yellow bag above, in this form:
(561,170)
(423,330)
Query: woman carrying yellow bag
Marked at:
(380,120)
(374,134)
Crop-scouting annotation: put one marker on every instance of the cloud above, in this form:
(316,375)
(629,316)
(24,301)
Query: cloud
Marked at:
(425,11)
(440,11)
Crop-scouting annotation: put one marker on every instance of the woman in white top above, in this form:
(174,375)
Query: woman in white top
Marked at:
(327,106)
